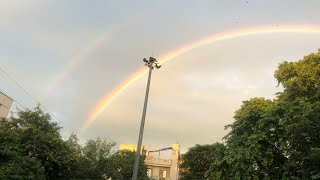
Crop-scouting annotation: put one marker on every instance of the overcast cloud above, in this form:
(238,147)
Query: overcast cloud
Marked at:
(192,97)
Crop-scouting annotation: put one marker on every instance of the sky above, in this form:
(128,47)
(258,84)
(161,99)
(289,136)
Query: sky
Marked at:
(68,55)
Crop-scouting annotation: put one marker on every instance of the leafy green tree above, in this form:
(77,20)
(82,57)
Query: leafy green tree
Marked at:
(31,147)
(40,138)
(75,153)
(299,105)
(219,168)
(32,138)
(21,168)
(73,143)
(120,166)
(202,162)
(279,139)
(253,148)
(13,165)
(94,159)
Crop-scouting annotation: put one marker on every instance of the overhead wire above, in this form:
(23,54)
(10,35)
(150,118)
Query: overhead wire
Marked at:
(18,84)
(14,100)
(26,92)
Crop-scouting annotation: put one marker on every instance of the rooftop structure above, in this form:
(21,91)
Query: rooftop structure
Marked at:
(159,168)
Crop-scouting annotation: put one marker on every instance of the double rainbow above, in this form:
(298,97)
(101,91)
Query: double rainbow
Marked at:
(171,55)
(97,43)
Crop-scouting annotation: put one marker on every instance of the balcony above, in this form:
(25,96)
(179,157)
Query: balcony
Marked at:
(150,161)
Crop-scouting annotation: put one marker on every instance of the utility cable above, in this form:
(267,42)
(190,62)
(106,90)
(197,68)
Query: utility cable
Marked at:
(18,84)
(25,91)
(14,100)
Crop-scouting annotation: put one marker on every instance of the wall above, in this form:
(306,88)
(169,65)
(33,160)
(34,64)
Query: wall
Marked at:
(5,105)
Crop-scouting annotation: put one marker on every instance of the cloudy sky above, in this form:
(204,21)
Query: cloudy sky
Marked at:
(69,54)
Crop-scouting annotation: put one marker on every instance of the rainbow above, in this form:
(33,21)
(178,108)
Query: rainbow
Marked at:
(258,30)
(76,62)
(101,40)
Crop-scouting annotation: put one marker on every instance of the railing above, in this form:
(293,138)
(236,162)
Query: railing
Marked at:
(157,161)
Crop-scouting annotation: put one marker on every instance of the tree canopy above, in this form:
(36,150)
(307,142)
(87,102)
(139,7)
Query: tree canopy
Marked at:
(31,147)
(271,139)
(121,166)
(197,162)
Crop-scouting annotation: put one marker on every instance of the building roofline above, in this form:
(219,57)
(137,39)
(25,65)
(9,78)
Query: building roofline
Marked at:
(5,94)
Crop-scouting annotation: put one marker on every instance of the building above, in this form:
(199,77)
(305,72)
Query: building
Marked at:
(128,147)
(159,168)
(5,105)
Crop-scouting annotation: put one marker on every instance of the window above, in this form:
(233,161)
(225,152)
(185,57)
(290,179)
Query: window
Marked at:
(149,172)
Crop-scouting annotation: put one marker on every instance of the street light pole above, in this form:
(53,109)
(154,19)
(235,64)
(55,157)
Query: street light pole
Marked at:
(151,63)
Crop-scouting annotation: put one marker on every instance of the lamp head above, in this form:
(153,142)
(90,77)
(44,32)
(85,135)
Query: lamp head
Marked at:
(152,59)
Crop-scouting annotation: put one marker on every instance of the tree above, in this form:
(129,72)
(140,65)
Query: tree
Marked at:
(219,168)
(279,139)
(31,147)
(202,162)
(94,159)
(32,138)
(253,150)
(13,165)
(75,153)
(300,116)
(121,165)
(18,167)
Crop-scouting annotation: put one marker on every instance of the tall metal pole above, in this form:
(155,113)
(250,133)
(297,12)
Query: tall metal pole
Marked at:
(151,64)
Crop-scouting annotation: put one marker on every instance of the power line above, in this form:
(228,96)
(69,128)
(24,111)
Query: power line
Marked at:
(17,102)
(24,107)
(18,84)
(25,91)
(14,100)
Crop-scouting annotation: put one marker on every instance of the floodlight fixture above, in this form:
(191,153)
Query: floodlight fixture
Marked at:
(152,59)
(145,60)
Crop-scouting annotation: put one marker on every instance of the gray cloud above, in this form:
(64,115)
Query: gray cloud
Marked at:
(192,97)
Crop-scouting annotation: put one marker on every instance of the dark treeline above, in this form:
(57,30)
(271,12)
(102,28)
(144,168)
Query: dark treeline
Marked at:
(269,139)
(31,147)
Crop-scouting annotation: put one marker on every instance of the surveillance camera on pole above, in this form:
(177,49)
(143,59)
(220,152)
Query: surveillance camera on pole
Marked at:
(151,63)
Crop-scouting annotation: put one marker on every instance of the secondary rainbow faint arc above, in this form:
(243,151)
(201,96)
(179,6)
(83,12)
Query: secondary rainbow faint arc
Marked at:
(225,35)
(97,43)
(76,62)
